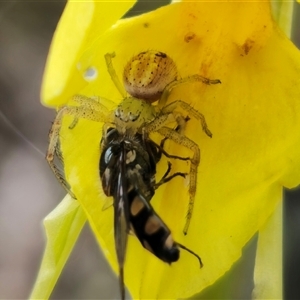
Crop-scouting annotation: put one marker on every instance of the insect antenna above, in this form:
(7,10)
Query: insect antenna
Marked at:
(190,251)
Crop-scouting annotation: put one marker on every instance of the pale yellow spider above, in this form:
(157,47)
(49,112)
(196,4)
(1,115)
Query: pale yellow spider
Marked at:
(148,77)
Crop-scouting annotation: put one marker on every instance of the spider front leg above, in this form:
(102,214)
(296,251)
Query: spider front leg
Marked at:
(189,109)
(92,103)
(90,111)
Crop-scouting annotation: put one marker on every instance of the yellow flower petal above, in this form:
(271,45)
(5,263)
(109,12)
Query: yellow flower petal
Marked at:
(81,23)
(254,117)
(62,227)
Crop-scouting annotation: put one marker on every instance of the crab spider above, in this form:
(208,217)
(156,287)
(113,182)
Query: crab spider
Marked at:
(148,77)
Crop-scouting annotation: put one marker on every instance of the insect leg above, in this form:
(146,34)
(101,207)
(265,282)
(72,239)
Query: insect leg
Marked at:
(113,74)
(188,143)
(168,171)
(164,152)
(194,78)
(166,179)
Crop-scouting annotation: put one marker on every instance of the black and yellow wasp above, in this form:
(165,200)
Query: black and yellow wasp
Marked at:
(127,170)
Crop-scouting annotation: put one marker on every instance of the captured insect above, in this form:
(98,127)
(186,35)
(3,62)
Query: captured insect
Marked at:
(127,169)
(128,155)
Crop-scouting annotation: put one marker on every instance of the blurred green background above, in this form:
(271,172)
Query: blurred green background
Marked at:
(29,191)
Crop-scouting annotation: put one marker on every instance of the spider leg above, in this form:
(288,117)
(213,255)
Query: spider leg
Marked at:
(158,125)
(195,161)
(194,78)
(77,112)
(113,74)
(92,103)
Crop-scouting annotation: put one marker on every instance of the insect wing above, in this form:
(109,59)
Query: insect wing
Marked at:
(121,216)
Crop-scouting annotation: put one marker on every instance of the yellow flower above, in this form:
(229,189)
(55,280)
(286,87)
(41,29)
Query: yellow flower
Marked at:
(254,116)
